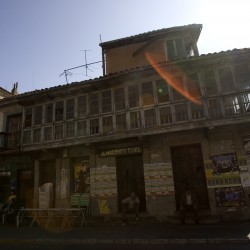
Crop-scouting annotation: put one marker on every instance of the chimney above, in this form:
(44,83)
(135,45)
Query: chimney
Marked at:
(14,91)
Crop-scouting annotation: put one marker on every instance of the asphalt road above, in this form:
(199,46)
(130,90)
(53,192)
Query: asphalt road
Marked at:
(126,247)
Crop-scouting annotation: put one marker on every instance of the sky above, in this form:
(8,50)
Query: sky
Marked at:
(39,39)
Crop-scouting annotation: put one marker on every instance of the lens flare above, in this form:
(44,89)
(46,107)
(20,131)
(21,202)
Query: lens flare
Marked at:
(192,95)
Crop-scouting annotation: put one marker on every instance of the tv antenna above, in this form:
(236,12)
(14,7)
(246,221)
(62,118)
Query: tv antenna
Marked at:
(67,72)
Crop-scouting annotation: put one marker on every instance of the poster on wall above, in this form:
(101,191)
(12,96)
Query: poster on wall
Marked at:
(230,196)
(224,163)
(82,177)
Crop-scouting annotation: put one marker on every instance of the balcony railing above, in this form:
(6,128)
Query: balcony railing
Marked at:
(10,141)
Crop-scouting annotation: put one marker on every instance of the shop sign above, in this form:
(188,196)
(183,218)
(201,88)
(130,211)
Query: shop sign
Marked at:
(121,151)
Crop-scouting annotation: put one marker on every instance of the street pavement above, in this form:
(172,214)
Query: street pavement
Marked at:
(113,232)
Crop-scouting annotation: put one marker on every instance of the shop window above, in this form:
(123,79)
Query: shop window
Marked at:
(121,122)
(28,117)
(119,99)
(180,85)
(37,135)
(82,128)
(133,96)
(147,93)
(181,113)
(242,76)
(82,106)
(150,117)
(38,115)
(70,129)
(58,132)
(94,126)
(59,109)
(226,80)
(193,85)
(48,133)
(165,115)
(70,108)
(210,84)
(49,112)
(231,105)
(107,124)
(135,119)
(26,137)
(94,103)
(162,91)
(197,111)
(214,108)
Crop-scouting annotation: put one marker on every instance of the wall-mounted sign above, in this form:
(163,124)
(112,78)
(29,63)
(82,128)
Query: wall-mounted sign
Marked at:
(121,151)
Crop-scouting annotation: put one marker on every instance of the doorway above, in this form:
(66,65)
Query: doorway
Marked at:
(188,169)
(130,178)
(25,188)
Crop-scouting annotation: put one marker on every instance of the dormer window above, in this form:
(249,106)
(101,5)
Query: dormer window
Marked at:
(180,48)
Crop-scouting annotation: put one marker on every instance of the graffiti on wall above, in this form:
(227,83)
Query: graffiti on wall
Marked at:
(158,179)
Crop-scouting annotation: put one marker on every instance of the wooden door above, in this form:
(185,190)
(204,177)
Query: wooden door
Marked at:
(188,169)
(130,178)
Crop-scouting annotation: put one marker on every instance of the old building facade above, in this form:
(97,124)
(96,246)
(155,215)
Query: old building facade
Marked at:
(162,117)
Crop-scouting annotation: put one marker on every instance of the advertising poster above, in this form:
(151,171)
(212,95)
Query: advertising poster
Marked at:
(82,177)
(224,163)
(230,196)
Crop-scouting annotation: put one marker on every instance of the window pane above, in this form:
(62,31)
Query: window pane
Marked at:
(94,104)
(214,108)
(38,115)
(58,132)
(147,93)
(94,126)
(170,50)
(165,115)
(70,129)
(133,96)
(197,111)
(210,83)
(37,135)
(162,91)
(180,85)
(180,51)
(28,117)
(107,124)
(150,117)
(70,108)
(242,76)
(82,106)
(49,113)
(181,112)
(106,101)
(121,123)
(119,99)
(231,105)
(59,111)
(26,137)
(226,79)
(193,85)
(47,133)
(245,100)
(82,128)
(135,119)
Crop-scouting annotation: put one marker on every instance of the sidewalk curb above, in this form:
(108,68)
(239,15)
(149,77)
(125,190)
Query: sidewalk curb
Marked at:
(125,241)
